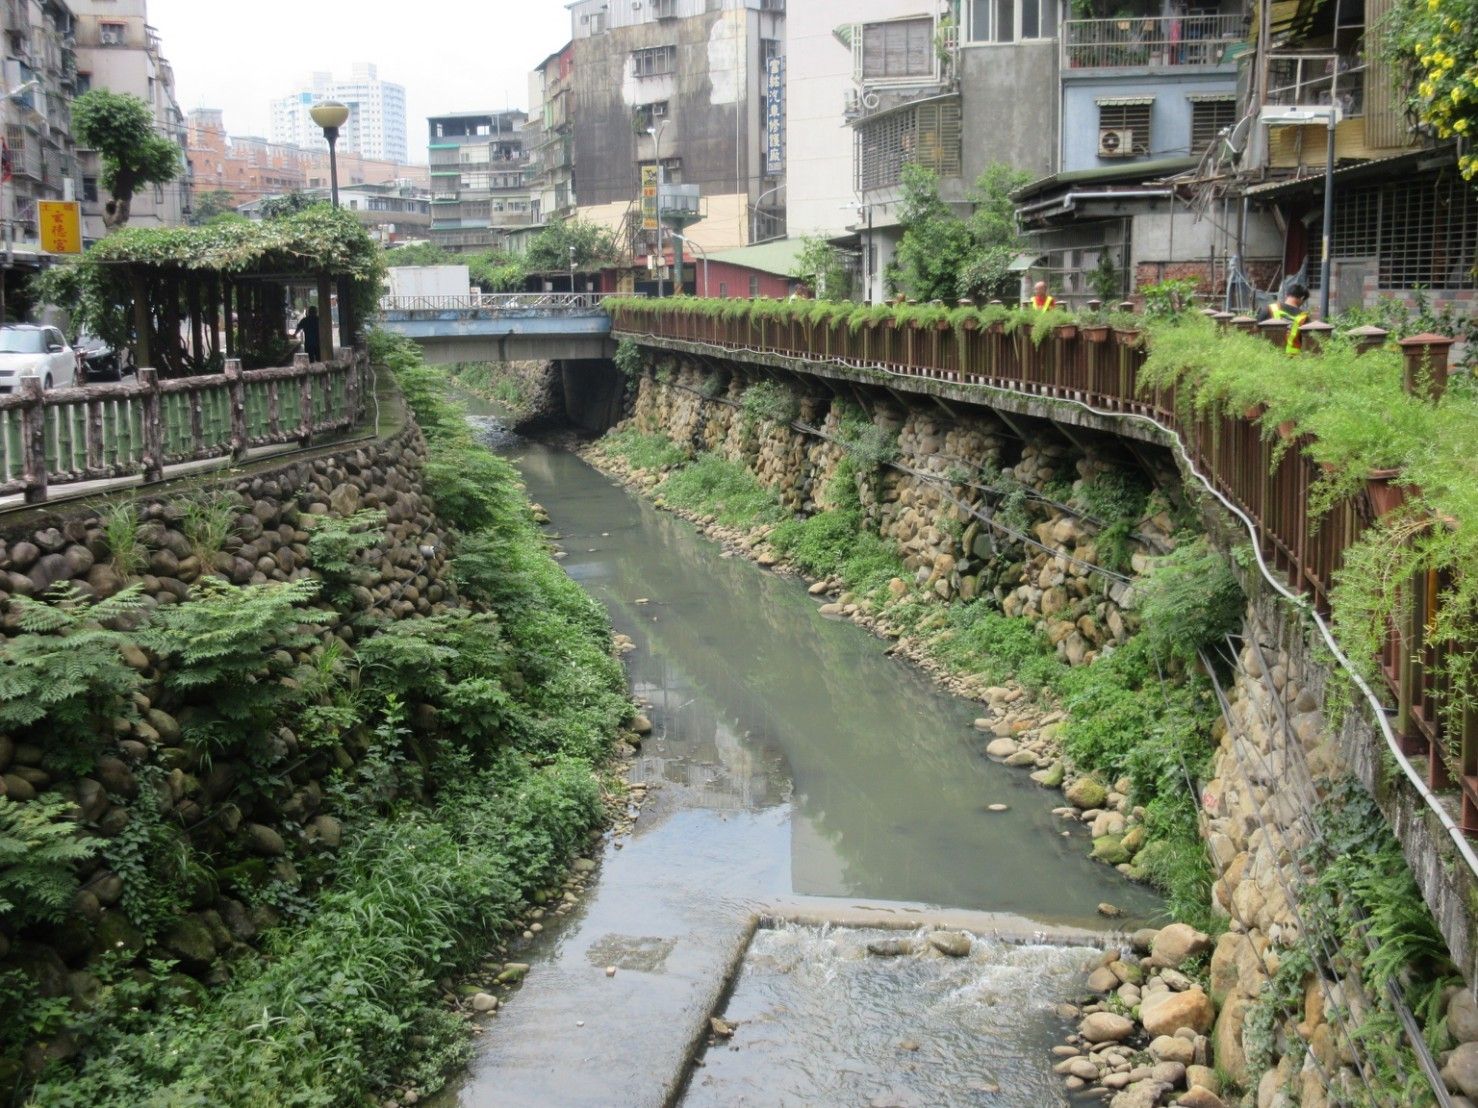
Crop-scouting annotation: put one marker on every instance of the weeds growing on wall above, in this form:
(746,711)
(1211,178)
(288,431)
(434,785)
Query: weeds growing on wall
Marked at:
(715,486)
(645,451)
(453,815)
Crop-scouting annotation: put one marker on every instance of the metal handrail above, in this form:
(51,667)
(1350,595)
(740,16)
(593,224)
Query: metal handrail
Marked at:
(546,302)
(1150,40)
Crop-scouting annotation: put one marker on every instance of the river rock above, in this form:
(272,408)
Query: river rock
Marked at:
(641,725)
(1231,1056)
(1105,1027)
(1002,748)
(1102,980)
(1198,1096)
(1165,1013)
(1177,942)
(1141,1094)
(1170,1048)
(264,840)
(1461,1070)
(890,948)
(955,944)
(1462,1016)
(484,1002)
(1086,793)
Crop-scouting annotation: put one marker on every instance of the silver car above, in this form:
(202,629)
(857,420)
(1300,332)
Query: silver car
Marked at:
(27,350)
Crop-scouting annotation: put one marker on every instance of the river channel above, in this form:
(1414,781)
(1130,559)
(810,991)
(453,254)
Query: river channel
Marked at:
(791,759)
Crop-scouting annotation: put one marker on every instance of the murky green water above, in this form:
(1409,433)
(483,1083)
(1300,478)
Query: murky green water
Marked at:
(795,758)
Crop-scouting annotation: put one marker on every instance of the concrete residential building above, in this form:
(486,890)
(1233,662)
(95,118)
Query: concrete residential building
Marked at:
(550,135)
(392,214)
(118,50)
(377,120)
(478,191)
(39,45)
(250,167)
(695,71)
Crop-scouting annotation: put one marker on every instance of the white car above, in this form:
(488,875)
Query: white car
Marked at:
(27,350)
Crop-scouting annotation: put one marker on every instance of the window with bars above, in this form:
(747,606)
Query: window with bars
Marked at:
(1208,119)
(928,134)
(1422,232)
(653,61)
(1131,117)
(900,48)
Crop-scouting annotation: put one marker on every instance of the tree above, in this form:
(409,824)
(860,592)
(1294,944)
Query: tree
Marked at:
(943,256)
(594,246)
(822,268)
(289,203)
(121,129)
(1434,45)
(419,253)
(209,205)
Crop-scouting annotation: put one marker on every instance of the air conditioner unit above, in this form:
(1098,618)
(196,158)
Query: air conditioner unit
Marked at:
(1115,142)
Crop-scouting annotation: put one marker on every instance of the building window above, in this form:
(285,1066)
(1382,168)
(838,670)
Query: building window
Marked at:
(723,290)
(654,61)
(1124,126)
(1419,232)
(112,34)
(90,189)
(899,49)
(754,286)
(928,134)
(1012,20)
(1209,118)
(83,83)
(649,115)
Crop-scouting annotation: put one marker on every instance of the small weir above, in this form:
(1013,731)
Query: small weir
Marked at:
(792,759)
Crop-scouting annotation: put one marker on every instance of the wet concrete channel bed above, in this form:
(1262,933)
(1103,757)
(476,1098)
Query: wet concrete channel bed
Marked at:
(795,772)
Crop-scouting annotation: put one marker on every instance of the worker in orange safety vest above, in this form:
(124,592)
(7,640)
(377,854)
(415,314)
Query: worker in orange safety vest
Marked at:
(1042,300)
(1292,309)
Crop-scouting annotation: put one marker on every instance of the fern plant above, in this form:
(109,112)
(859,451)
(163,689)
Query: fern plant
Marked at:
(63,677)
(40,845)
(228,651)
(335,544)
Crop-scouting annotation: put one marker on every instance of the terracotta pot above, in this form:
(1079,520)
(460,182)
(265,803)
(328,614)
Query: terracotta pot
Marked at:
(1129,337)
(972,324)
(1285,429)
(1066,330)
(1096,332)
(997,328)
(1386,497)
(1254,413)
(941,325)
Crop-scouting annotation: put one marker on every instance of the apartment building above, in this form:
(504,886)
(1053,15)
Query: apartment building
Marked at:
(118,50)
(683,83)
(550,136)
(40,46)
(478,162)
(249,167)
(393,214)
(377,121)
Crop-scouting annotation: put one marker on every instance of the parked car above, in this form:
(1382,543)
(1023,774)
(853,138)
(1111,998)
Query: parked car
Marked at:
(100,362)
(27,350)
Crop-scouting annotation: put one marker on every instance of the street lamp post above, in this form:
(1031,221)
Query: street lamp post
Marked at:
(572,269)
(656,133)
(331,115)
(1329,115)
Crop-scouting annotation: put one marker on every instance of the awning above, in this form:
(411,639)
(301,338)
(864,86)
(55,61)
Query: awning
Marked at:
(1211,97)
(1388,168)
(1123,101)
(1023,262)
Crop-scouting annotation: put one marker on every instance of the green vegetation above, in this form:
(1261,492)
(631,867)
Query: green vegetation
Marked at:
(768,402)
(823,269)
(711,485)
(588,245)
(645,451)
(1361,908)
(943,256)
(120,128)
(492,382)
(467,742)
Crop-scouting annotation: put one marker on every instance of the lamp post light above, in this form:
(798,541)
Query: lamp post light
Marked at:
(572,270)
(1329,115)
(656,133)
(331,115)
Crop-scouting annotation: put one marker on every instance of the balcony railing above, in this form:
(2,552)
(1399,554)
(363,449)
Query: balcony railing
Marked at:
(1192,40)
(1304,80)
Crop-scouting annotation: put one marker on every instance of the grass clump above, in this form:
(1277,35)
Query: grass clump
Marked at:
(644,451)
(714,486)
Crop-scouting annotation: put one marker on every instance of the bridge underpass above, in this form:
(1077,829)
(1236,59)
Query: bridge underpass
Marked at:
(571,330)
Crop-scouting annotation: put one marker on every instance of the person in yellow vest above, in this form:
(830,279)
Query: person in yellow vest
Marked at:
(1292,309)
(1042,300)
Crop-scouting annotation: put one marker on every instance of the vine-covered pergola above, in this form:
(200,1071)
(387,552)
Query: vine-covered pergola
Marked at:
(184,299)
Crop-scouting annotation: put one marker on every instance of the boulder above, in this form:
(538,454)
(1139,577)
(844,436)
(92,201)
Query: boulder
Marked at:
(1141,1094)
(1170,1048)
(954,944)
(1198,1096)
(189,939)
(1224,962)
(1461,1071)
(1086,793)
(1462,1016)
(1177,942)
(1105,1027)
(1231,1057)
(1165,1013)
(264,840)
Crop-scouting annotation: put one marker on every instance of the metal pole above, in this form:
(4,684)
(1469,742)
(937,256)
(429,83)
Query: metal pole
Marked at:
(332,134)
(1328,222)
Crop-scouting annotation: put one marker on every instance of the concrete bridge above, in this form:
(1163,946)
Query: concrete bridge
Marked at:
(503,327)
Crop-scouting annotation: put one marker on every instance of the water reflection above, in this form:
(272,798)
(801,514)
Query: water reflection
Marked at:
(758,701)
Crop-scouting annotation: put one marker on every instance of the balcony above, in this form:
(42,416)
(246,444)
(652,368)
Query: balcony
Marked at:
(1189,40)
(1314,80)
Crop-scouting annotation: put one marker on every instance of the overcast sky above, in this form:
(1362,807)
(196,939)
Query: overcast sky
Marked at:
(451,55)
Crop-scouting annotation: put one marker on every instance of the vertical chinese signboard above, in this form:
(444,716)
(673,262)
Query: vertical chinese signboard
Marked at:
(61,226)
(775,116)
(649,198)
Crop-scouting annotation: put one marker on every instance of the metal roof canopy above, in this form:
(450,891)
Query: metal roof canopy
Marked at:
(1417,160)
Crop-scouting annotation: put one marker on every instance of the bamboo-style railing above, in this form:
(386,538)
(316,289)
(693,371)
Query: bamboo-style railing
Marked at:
(60,437)
(1099,367)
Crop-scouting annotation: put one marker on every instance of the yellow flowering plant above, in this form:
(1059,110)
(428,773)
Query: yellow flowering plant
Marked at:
(1435,43)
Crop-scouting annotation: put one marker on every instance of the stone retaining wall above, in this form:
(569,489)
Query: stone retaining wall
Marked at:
(264,832)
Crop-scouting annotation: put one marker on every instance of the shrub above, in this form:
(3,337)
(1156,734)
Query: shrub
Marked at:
(715,486)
